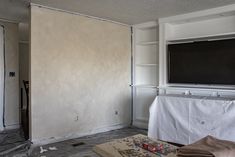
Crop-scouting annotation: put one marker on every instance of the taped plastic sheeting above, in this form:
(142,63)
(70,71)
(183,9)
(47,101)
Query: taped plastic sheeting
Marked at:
(186,119)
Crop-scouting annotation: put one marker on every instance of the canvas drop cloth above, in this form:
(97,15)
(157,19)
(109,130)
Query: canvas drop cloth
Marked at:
(186,119)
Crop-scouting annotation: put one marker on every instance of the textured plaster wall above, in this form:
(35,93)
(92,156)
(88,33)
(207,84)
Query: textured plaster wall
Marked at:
(11,83)
(80,72)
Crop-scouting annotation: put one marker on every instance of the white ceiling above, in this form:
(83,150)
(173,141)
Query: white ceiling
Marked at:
(16,10)
(124,11)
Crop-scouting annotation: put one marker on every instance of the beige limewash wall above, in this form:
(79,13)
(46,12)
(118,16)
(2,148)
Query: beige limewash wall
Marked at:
(80,72)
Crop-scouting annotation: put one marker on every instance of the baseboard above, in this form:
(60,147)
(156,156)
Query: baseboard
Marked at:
(11,127)
(140,124)
(39,142)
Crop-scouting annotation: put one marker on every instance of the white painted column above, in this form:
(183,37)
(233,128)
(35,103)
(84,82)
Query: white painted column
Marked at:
(1,76)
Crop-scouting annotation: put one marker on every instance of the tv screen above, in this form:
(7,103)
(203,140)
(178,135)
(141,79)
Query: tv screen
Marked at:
(205,62)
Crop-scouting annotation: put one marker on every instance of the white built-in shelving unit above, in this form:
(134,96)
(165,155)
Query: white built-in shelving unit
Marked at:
(145,70)
(212,24)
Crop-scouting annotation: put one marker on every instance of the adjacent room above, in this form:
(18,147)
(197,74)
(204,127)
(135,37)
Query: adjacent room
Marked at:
(117,78)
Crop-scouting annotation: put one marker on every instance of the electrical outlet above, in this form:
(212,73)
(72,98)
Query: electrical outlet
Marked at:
(76,118)
(12,74)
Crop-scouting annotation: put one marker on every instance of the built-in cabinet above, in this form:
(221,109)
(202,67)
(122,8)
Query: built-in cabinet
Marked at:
(145,70)
(211,24)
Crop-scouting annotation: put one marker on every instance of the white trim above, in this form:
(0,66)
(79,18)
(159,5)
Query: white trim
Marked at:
(226,88)
(223,93)
(9,21)
(147,43)
(140,124)
(199,89)
(221,36)
(208,13)
(23,42)
(142,119)
(11,127)
(162,55)
(37,142)
(146,25)
(77,13)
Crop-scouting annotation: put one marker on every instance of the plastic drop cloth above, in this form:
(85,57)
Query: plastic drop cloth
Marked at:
(186,119)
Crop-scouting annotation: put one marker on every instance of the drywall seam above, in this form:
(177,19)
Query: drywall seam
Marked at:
(80,14)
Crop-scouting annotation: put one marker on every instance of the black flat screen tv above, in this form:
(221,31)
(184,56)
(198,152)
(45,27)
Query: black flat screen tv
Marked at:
(204,62)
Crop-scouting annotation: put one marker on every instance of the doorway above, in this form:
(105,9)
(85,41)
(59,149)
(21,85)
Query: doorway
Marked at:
(24,87)
(12,138)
